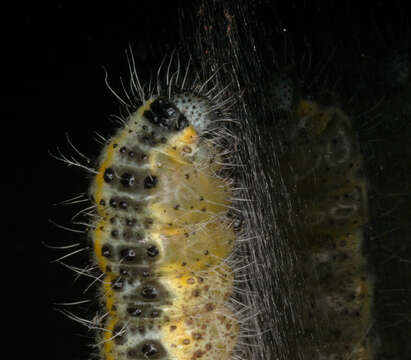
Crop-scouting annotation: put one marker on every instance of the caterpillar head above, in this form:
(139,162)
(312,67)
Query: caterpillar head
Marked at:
(180,111)
(196,108)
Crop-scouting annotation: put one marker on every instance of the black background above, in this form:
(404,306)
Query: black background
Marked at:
(53,53)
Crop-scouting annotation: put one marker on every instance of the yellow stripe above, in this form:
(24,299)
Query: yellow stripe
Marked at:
(188,136)
(99,180)
(108,342)
(99,232)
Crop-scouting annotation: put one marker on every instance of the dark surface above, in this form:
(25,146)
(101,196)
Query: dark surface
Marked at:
(53,82)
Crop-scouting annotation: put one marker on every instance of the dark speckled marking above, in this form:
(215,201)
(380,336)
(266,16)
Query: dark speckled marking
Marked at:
(148,292)
(132,252)
(148,349)
(119,334)
(166,115)
(127,179)
(150,182)
(108,175)
(143,311)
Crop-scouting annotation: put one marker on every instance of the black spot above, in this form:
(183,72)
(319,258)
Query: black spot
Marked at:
(128,254)
(152,117)
(123,150)
(113,203)
(182,123)
(114,233)
(149,349)
(107,251)
(119,334)
(117,284)
(123,204)
(102,202)
(165,114)
(108,175)
(134,311)
(149,292)
(150,182)
(127,180)
(152,251)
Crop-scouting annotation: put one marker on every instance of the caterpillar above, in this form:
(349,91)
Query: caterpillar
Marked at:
(327,171)
(334,266)
(165,230)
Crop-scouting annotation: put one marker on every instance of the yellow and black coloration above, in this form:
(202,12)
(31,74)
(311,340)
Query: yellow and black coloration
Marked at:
(163,237)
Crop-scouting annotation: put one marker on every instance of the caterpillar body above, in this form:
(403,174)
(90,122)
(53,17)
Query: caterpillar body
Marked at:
(163,235)
(166,256)
(325,166)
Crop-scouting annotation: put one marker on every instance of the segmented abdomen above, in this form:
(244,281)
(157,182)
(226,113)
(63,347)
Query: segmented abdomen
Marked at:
(161,240)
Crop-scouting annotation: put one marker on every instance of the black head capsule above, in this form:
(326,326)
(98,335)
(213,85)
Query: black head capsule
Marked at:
(165,114)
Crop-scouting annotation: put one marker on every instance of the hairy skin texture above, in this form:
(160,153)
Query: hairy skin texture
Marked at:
(279,286)
(302,303)
(162,240)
